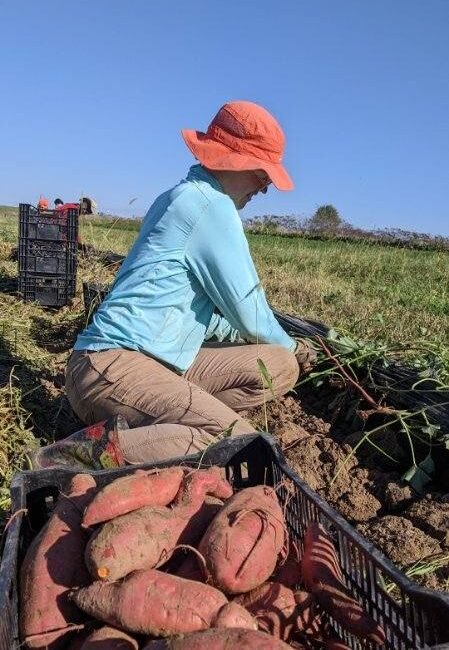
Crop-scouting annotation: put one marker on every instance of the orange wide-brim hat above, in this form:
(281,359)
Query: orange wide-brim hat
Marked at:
(242,136)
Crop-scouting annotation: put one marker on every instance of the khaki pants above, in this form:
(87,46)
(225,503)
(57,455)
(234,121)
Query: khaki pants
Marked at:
(171,414)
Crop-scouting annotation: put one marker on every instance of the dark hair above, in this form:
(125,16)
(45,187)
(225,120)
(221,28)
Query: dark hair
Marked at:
(59,202)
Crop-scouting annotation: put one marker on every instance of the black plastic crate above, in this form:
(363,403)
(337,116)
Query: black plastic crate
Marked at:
(413,617)
(51,225)
(93,295)
(47,290)
(48,257)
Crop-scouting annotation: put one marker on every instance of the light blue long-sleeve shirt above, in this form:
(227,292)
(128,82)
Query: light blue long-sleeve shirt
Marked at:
(189,277)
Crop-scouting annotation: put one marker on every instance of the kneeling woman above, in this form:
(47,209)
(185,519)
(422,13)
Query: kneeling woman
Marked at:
(171,355)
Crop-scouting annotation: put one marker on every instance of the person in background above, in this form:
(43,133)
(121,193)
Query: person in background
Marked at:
(42,204)
(185,339)
(87,205)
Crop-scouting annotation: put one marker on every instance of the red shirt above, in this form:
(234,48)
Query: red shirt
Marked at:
(67,206)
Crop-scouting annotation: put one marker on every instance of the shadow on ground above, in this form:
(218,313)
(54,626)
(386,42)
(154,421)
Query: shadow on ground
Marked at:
(8,283)
(51,416)
(56,337)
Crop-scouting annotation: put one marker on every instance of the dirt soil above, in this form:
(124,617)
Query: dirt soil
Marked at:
(407,527)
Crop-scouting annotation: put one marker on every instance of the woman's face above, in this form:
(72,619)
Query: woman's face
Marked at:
(247,185)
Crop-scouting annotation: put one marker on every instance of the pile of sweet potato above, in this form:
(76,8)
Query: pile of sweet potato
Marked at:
(174,559)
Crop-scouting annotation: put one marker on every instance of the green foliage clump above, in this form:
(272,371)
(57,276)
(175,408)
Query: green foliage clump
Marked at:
(325,219)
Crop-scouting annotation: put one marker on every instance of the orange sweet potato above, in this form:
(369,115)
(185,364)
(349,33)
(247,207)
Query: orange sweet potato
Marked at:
(128,493)
(52,566)
(308,620)
(152,602)
(198,523)
(108,638)
(273,606)
(322,576)
(281,612)
(221,639)
(242,543)
(234,615)
(288,571)
(145,538)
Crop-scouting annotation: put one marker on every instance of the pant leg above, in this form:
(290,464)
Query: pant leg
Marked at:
(168,415)
(231,373)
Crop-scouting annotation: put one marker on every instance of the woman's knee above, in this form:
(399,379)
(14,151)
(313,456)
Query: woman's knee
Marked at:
(284,370)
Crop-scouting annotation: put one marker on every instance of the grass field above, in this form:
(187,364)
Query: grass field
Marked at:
(387,294)
(393,293)
(370,291)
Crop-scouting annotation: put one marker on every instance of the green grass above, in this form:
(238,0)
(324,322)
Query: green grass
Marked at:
(16,438)
(371,292)
(108,234)
(392,293)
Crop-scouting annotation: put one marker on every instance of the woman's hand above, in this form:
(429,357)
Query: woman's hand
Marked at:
(305,356)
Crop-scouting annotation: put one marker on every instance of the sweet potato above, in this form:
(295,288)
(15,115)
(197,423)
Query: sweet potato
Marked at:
(242,543)
(307,618)
(145,538)
(273,606)
(221,639)
(322,576)
(199,522)
(128,493)
(52,566)
(186,565)
(288,571)
(138,540)
(281,612)
(152,602)
(234,615)
(108,638)
(198,483)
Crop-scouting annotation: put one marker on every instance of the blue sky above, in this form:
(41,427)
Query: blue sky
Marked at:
(95,92)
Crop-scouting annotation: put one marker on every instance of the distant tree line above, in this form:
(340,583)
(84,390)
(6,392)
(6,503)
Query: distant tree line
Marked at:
(327,224)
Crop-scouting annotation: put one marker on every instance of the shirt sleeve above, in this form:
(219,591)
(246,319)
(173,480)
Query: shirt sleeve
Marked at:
(220,330)
(218,255)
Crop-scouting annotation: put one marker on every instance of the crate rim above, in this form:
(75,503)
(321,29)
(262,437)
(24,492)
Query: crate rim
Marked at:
(31,217)
(378,557)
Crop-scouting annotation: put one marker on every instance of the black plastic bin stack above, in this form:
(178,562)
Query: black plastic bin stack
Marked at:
(48,246)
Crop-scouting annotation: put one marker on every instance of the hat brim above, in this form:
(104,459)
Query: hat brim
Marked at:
(215,155)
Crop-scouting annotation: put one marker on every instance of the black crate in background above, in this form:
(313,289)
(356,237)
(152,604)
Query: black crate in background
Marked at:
(412,616)
(47,290)
(51,225)
(48,257)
